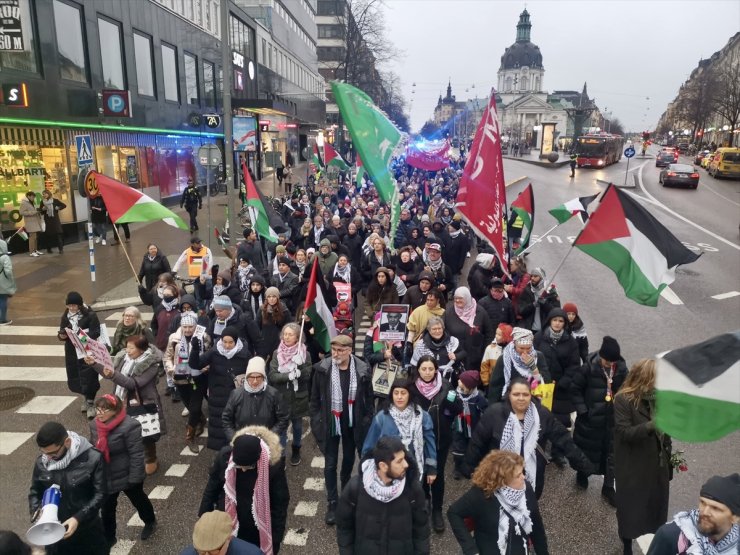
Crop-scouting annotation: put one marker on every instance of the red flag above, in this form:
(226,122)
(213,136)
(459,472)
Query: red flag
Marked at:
(428,157)
(482,196)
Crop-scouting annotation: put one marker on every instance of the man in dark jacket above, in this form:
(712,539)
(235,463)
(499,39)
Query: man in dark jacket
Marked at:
(251,249)
(416,295)
(250,446)
(443,276)
(192,201)
(341,411)
(403,230)
(286,282)
(225,314)
(497,305)
(457,247)
(70,461)
(482,273)
(382,511)
(592,392)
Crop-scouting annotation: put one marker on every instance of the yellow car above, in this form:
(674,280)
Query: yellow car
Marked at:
(725,163)
(705,161)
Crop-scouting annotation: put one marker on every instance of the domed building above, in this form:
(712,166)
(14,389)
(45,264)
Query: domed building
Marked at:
(521,68)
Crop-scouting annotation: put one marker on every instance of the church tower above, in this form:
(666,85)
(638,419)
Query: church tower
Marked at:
(521,71)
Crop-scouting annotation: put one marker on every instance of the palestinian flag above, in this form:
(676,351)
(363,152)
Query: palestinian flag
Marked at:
(220,238)
(623,236)
(333,160)
(126,204)
(316,158)
(360,172)
(697,395)
(318,311)
(523,206)
(22,233)
(575,207)
(257,212)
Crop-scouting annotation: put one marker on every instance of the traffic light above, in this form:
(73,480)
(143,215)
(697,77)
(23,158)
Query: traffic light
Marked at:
(645,135)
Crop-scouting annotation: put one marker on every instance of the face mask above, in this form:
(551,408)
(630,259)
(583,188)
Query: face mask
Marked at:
(168,298)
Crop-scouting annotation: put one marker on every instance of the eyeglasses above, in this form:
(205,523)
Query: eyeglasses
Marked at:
(255,378)
(101,410)
(53,454)
(129,316)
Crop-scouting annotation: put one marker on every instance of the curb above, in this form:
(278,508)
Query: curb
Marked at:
(551,165)
(517,180)
(116,303)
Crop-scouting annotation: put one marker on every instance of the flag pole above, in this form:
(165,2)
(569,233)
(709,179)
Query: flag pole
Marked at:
(539,240)
(118,238)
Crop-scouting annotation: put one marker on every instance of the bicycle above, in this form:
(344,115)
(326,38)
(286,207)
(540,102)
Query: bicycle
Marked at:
(185,283)
(218,186)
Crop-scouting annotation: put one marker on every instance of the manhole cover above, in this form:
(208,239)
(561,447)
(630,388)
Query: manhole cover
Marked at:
(12,397)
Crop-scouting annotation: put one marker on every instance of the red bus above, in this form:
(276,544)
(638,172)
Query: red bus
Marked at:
(599,150)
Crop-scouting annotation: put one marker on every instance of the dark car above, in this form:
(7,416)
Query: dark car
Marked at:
(665,158)
(679,174)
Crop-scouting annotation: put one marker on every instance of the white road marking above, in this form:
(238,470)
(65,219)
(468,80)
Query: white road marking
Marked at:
(668,294)
(177,470)
(35,374)
(36,331)
(314,484)
(645,541)
(705,186)
(122,547)
(723,296)
(296,537)
(188,453)
(135,521)
(306,508)
(46,404)
(682,218)
(33,350)
(10,441)
(317,462)
(161,492)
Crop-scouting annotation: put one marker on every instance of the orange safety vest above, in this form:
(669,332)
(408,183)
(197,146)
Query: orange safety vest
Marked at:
(196,262)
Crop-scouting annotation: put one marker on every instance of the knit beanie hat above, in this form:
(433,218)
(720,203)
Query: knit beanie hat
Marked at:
(725,490)
(280,249)
(470,378)
(246,451)
(225,276)
(455,224)
(256,365)
(73,297)
(522,336)
(571,307)
(222,301)
(485,260)
(538,272)
(230,331)
(272,292)
(610,349)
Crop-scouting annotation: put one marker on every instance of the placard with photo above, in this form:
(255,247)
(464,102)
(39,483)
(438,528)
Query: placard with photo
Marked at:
(393,319)
(384,374)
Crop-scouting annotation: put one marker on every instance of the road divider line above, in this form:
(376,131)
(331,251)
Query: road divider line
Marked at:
(705,186)
(683,218)
(36,331)
(723,296)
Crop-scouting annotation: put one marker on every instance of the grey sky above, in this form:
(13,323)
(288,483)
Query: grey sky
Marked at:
(625,50)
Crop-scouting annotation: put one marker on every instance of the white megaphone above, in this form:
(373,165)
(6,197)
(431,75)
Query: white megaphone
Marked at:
(47,529)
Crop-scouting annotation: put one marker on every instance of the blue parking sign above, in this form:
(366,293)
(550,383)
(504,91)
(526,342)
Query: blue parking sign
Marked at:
(84,150)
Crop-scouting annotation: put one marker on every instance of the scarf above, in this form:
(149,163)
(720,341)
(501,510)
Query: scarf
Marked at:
(513,506)
(554,336)
(429,389)
(693,542)
(446,220)
(104,429)
(336,394)
(317,235)
(79,446)
(513,359)
(259,389)
(182,357)
(124,332)
(255,302)
(229,353)
(301,267)
(522,439)
(218,289)
(243,275)
(466,313)
(465,419)
(127,369)
(49,205)
(260,498)
(375,487)
(409,424)
(435,266)
(288,360)
(74,320)
(220,325)
(169,306)
(343,273)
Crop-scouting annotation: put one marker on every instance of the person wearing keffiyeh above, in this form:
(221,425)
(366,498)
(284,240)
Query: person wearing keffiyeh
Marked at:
(474,405)
(519,358)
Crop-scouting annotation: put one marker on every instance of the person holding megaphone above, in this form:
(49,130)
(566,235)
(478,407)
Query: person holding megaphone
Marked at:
(73,470)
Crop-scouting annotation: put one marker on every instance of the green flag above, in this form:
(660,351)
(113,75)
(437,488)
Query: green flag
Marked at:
(375,138)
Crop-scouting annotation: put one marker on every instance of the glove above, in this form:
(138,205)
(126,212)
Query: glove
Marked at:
(195,342)
(142,289)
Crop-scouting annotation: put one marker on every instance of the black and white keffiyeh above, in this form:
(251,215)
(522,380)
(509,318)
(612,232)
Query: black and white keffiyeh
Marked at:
(513,507)
(512,359)
(79,445)
(693,542)
(343,273)
(410,427)
(336,394)
(375,487)
(522,439)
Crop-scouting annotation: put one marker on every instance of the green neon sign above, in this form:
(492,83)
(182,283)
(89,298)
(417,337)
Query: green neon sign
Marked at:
(49,123)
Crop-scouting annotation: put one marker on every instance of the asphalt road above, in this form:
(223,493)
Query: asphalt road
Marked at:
(577,522)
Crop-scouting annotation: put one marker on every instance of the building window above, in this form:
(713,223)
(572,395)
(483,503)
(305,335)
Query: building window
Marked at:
(111,54)
(209,83)
(144,65)
(264,52)
(331,31)
(330,7)
(330,53)
(191,79)
(23,60)
(70,41)
(169,73)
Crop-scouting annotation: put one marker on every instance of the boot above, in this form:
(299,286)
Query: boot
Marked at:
(151,467)
(190,439)
(438,521)
(90,410)
(330,516)
(295,457)
(200,426)
(175,395)
(609,495)
(582,480)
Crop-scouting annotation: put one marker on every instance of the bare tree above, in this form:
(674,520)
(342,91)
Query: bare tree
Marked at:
(727,100)
(391,100)
(697,98)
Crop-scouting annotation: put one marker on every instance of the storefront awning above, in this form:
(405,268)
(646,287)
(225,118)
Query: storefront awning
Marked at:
(31,136)
(264,106)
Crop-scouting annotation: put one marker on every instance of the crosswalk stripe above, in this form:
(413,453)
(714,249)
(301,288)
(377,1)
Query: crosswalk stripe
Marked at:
(10,441)
(35,374)
(33,350)
(35,331)
(47,404)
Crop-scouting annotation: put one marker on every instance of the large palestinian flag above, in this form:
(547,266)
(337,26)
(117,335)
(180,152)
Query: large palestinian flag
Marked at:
(316,157)
(318,311)
(697,394)
(577,206)
(523,206)
(623,236)
(332,158)
(257,212)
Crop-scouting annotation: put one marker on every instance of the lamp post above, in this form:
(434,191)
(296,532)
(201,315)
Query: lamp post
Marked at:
(726,128)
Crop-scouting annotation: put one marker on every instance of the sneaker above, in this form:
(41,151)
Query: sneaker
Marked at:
(295,456)
(90,411)
(148,530)
(34,254)
(97,240)
(581,480)
(6,323)
(83,406)
(103,242)
(330,517)
(39,253)
(185,412)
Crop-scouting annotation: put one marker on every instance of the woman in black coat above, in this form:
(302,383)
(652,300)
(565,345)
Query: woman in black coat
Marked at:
(592,391)
(469,322)
(227,363)
(50,207)
(499,490)
(433,393)
(521,406)
(118,437)
(380,291)
(642,455)
(443,347)
(272,317)
(354,240)
(153,265)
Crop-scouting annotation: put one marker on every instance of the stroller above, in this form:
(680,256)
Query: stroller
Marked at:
(344,319)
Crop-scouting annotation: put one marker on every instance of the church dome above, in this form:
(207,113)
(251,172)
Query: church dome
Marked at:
(523,52)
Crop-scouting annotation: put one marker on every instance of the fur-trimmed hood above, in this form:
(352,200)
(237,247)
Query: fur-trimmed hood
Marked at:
(271,439)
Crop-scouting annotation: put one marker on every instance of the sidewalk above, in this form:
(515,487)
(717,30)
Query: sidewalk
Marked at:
(268,185)
(534,158)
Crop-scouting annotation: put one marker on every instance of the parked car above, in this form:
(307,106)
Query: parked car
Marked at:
(725,163)
(700,156)
(679,174)
(683,147)
(665,158)
(705,161)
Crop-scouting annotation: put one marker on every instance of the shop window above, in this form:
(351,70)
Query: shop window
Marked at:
(111,54)
(26,59)
(144,65)
(191,79)
(169,73)
(70,41)
(209,84)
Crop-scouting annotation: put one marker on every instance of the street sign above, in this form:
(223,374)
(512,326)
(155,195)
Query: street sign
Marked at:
(84,150)
(15,94)
(117,103)
(11,29)
(209,156)
(629,152)
(212,120)
(91,186)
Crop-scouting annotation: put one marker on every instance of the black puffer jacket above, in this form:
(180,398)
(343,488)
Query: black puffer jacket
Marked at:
(265,408)
(473,339)
(527,306)
(366,526)
(594,429)
(442,411)
(221,374)
(126,466)
(499,312)
(151,269)
(82,485)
